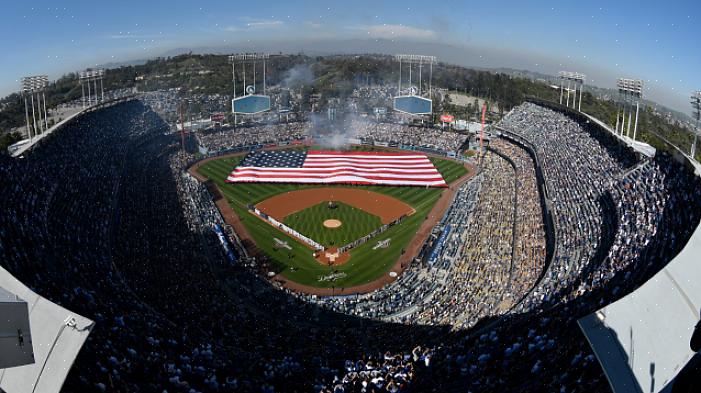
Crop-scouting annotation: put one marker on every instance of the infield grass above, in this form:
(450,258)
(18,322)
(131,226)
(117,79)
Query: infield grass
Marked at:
(298,264)
(355,223)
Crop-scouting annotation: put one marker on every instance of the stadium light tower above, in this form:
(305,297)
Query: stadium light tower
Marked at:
(101,75)
(632,91)
(92,76)
(696,106)
(35,86)
(572,78)
(419,60)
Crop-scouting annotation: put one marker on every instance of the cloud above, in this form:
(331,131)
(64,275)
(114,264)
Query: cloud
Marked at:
(257,23)
(264,24)
(250,24)
(136,36)
(386,31)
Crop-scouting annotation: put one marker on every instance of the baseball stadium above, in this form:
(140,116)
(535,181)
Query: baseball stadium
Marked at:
(264,220)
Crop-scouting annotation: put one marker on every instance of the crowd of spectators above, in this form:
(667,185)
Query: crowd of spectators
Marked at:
(476,284)
(172,105)
(578,168)
(253,135)
(529,247)
(392,134)
(56,235)
(118,234)
(384,372)
(116,231)
(646,200)
(604,251)
(200,211)
(409,135)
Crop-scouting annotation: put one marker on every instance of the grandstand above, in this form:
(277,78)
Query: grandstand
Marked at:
(563,228)
(642,340)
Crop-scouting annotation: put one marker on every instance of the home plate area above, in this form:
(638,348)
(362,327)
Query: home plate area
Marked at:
(332,257)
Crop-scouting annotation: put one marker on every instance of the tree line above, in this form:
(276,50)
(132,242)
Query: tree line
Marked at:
(334,77)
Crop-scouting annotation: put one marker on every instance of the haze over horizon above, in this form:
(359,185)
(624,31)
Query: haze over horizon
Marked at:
(604,41)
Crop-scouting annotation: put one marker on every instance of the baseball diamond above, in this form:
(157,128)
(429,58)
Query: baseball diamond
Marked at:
(326,226)
(385,207)
(298,267)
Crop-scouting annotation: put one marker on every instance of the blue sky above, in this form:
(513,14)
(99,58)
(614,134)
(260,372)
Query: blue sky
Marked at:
(654,41)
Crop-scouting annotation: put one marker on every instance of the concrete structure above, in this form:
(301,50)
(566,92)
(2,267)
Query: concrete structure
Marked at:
(56,335)
(15,334)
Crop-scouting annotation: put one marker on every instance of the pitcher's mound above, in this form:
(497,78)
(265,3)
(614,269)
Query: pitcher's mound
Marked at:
(332,223)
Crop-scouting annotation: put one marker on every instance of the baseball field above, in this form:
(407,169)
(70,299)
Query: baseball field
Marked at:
(345,222)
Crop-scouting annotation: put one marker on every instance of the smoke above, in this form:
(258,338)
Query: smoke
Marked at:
(299,75)
(338,134)
(333,133)
(337,141)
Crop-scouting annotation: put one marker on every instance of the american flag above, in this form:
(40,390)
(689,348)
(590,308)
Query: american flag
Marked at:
(337,167)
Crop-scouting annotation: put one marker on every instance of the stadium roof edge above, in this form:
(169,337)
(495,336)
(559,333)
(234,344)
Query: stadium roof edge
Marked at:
(57,335)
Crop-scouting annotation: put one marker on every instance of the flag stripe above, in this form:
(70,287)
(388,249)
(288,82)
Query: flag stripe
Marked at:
(309,161)
(339,180)
(341,168)
(368,166)
(363,153)
(366,157)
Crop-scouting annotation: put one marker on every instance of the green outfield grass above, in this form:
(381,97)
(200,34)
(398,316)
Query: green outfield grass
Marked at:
(355,223)
(298,264)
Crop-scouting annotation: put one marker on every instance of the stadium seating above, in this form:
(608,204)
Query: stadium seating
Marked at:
(102,219)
